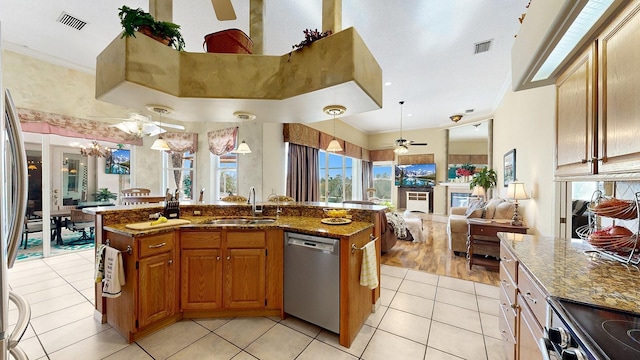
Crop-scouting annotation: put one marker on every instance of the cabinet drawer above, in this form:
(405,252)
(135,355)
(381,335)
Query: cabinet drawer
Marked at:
(507,309)
(200,239)
(509,262)
(246,239)
(508,285)
(507,335)
(156,244)
(532,295)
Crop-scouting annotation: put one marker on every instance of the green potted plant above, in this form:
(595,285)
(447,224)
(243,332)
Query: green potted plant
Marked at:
(485,178)
(104,194)
(133,20)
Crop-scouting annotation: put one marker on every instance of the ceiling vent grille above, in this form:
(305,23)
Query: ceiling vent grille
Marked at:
(482,47)
(71,21)
(469,111)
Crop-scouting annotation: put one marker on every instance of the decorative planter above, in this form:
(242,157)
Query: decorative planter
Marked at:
(147,31)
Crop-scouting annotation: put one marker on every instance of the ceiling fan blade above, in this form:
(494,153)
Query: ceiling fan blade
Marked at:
(224,10)
(167,125)
(416,143)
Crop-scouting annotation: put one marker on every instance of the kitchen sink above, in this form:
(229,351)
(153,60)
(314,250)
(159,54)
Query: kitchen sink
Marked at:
(239,221)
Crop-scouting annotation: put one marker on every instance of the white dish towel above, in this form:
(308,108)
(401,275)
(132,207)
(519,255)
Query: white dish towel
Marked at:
(113,273)
(99,272)
(369,268)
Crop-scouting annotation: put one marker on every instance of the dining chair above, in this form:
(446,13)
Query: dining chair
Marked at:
(82,223)
(30,227)
(133,196)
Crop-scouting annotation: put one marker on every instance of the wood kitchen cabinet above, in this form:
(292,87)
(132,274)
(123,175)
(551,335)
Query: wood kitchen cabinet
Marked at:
(597,109)
(149,298)
(231,272)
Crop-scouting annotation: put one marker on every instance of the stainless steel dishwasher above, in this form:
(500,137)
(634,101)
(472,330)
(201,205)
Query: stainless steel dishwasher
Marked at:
(312,279)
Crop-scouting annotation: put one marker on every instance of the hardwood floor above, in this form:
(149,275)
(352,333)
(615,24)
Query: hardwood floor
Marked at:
(434,256)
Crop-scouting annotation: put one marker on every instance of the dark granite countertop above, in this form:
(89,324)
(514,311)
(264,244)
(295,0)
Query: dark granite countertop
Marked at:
(565,270)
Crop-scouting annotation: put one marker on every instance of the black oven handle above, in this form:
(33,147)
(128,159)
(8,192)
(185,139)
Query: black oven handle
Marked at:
(545,347)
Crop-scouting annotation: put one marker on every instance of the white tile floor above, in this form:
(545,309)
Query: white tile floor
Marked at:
(422,316)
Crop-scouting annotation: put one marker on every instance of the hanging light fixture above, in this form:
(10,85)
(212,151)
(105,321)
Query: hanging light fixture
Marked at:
(455,118)
(401,144)
(160,144)
(334,145)
(95,150)
(243,147)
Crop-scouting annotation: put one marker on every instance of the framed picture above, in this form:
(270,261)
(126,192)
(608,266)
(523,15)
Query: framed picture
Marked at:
(118,162)
(509,167)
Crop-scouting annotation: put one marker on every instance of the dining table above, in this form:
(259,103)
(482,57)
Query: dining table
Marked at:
(58,216)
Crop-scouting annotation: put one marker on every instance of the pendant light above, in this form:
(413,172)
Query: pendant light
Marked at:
(243,148)
(334,145)
(160,144)
(401,144)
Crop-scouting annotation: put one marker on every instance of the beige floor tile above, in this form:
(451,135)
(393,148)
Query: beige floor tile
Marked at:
(318,350)
(301,326)
(62,317)
(490,325)
(39,286)
(80,269)
(417,288)
(357,346)
(48,294)
(456,284)
(487,290)
(385,346)
(212,324)
(412,327)
(390,282)
(73,264)
(423,277)
(55,304)
(279,343)
(32,348)
(386,296)
(435,354)
(29,333)
(76,277)
(449,338)
(413,304)
(243,356)
(393,271)
(495,349)
(84,284)
(243,331)
(90,295)
(488,305)
(457,298)
(170,340)
(131,352)
(33,279)
(95,347)
(457,316)
(375,318)
(212,346)
(66,335)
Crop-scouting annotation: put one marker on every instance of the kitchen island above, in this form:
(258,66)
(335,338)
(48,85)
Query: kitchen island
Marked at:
(211,270)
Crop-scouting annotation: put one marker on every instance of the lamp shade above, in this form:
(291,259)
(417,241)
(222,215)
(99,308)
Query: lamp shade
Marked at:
(516,191)
(334,146)
(401,149)
(243,148)
(478,191)
(160,145)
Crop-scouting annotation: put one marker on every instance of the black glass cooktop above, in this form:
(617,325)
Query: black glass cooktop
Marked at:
(615,334)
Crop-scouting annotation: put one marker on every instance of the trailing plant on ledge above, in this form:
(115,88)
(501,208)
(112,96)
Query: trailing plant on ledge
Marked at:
(133,20)
(310,36)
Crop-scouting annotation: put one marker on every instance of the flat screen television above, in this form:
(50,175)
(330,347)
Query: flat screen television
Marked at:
(119,162)
(415,175)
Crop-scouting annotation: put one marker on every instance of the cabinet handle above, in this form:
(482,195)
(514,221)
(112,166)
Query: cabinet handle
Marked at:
(514,306)
(157,246)
(584,161)
(218,258)
(530,298)
(170,261)
(504,281)
(228,257)
(506,259)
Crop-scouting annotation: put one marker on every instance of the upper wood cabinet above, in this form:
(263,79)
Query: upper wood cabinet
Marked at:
(598,103)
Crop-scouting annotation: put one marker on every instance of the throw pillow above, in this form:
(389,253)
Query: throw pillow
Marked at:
(475,208)
(491,208)
(504,210)
(578,207)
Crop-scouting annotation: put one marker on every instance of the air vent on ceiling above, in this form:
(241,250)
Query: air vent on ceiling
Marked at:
(482,46)
(71,21)
(468,111)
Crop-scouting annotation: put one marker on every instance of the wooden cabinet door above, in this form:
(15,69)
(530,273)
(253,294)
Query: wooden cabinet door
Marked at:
(157,288)
(619,109)
(201,280)
(575,122)
(245,276)
(529,334)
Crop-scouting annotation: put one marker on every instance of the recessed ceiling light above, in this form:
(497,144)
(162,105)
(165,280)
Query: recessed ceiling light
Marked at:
(409,114)
(388,83)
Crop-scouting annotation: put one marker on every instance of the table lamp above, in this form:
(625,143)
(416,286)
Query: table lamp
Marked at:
(478,191)
(516,191)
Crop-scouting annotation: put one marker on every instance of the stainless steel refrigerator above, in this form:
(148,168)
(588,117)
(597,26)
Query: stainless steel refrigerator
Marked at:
(13,202)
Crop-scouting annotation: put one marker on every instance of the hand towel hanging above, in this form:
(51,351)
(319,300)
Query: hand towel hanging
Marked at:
(114,277)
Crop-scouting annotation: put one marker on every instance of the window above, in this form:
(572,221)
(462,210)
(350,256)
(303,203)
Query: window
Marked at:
(340,177)
(383,179)
(179,173)
(226,170)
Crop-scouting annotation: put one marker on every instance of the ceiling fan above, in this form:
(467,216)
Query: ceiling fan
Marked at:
(223,9)
(401,145)
(142,125)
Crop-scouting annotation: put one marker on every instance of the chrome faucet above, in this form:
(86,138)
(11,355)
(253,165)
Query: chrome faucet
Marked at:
(254,212)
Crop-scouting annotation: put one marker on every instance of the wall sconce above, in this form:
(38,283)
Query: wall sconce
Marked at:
(334,145)
(455,118)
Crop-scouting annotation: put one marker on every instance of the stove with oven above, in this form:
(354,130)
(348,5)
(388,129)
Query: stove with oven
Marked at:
(581,331)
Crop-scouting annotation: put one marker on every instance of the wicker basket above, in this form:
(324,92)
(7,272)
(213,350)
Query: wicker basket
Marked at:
(617,209)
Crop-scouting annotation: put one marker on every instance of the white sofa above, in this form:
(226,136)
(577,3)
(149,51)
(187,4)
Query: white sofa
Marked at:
(457,228)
